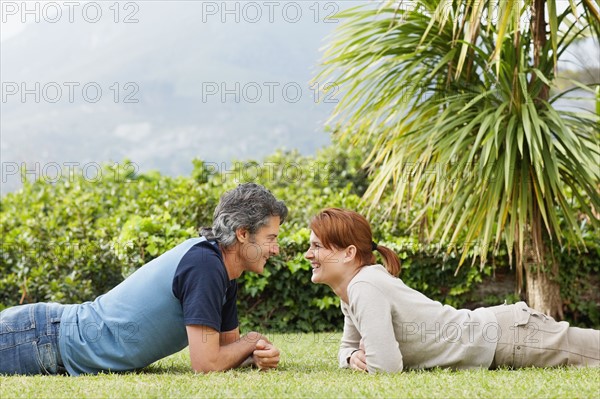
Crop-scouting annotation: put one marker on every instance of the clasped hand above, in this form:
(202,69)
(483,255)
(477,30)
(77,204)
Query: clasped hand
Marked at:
(358,360)
(265,355)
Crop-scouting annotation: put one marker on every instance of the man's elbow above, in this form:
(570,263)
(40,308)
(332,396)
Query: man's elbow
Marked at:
(207,367)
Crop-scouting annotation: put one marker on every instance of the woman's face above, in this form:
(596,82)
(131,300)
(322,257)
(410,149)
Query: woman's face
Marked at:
(328,265)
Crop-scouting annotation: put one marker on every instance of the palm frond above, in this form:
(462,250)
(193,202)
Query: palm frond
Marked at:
(482,147)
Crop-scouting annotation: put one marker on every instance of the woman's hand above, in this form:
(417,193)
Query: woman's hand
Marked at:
(358,359)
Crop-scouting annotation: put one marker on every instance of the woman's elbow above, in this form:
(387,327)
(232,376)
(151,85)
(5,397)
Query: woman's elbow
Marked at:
(393,367)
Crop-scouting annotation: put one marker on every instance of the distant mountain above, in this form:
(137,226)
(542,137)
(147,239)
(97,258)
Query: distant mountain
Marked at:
(178,84)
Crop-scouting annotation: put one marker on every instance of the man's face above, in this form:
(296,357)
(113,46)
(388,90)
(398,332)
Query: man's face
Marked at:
(260,246)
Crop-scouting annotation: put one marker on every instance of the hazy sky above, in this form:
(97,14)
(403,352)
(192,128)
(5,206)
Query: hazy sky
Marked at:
(162,82)
(159,82)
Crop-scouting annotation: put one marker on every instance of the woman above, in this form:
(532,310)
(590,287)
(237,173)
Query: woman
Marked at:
(389,327)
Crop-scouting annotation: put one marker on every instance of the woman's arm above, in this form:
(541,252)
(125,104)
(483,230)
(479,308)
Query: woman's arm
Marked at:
(350,342)
(372,310)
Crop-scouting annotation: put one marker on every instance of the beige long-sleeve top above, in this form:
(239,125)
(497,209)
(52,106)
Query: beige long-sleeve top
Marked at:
(402,328)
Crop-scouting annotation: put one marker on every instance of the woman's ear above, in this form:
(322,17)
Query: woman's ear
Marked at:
(349,253)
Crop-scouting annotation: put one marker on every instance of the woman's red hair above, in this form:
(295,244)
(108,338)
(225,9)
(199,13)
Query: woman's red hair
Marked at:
(341,228)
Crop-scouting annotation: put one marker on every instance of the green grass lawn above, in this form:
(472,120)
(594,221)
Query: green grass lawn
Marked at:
(308,370)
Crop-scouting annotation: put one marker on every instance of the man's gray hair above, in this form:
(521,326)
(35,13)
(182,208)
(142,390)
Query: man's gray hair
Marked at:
(247,206)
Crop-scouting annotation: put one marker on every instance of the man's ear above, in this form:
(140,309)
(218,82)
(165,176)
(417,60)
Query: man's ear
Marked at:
(242,234)
(349,253)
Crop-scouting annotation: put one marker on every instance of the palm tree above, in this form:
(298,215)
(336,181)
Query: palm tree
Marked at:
(454,100)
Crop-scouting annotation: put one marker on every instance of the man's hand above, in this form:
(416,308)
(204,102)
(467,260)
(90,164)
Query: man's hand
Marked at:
(211,350)
(266,356)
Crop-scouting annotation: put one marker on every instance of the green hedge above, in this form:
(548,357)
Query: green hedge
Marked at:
(74,239)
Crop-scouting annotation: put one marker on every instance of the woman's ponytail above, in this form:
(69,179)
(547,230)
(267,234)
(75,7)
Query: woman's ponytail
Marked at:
(390,259)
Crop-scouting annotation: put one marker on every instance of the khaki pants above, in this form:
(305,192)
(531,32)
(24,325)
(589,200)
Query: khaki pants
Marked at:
(530,338)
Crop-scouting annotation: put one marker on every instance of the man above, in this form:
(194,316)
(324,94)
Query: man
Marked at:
(186,296)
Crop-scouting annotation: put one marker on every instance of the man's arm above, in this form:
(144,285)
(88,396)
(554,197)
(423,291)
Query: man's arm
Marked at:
(265,355)
(207,354)
(214,351)
(229,337)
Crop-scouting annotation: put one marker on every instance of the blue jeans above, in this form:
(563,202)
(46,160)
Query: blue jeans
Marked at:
(29,339)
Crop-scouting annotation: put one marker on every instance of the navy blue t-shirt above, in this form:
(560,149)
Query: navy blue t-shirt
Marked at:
(202,286)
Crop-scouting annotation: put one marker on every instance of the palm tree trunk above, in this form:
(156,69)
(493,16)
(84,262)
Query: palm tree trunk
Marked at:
(542,286)
(539,36)
(541,269)
(541,272)
(543,291)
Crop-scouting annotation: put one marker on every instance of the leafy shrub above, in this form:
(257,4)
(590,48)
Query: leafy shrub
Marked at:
(75,239)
